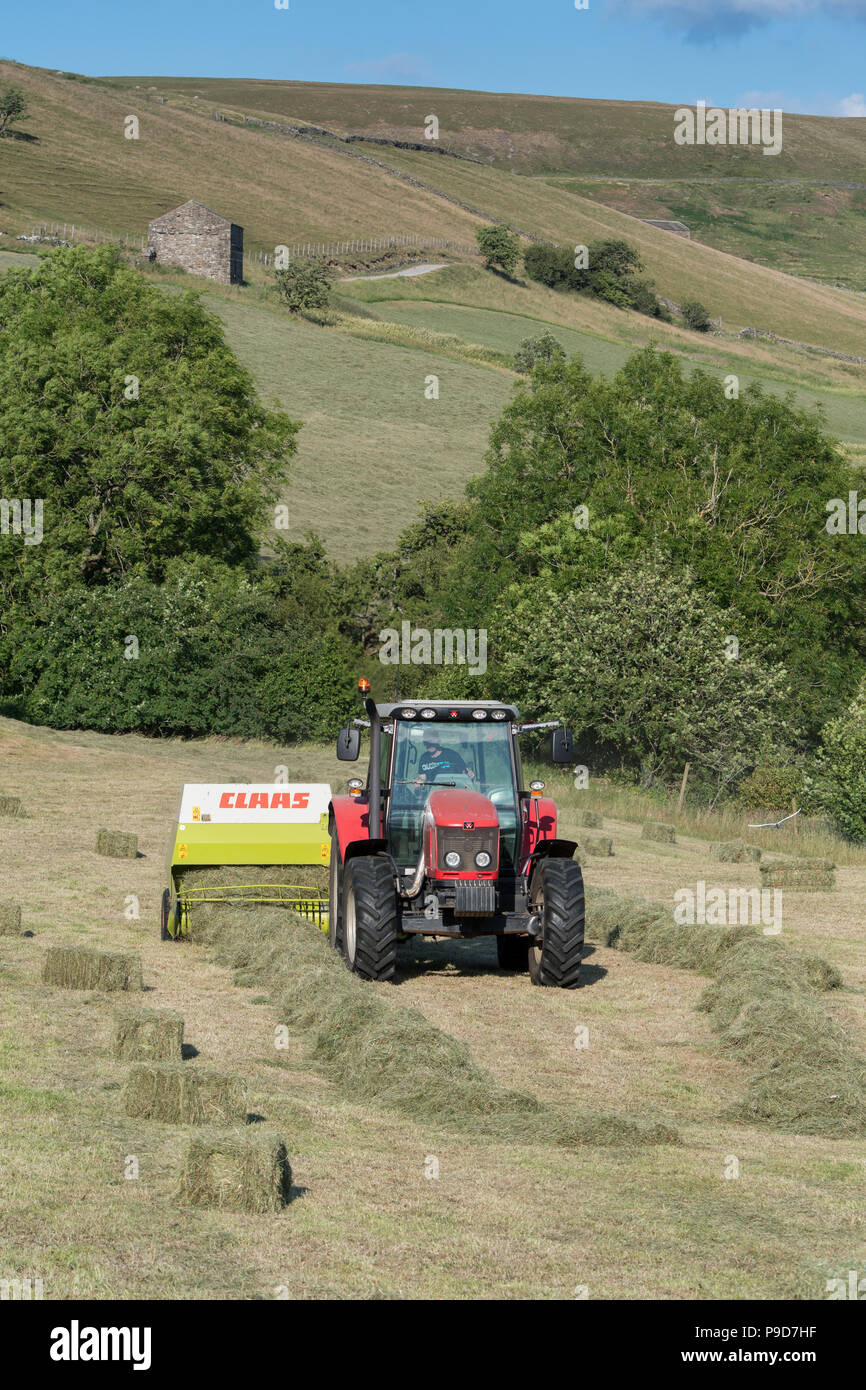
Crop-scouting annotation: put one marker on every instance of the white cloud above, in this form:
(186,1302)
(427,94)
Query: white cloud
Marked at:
(854,105)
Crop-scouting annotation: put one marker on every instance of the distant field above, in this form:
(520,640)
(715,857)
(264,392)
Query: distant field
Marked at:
(800,228)
(846,415)
(372,446)
(538,133)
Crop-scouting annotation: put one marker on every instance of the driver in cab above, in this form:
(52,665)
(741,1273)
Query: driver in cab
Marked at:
(440,764)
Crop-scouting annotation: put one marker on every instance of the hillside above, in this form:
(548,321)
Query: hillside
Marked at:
(82,170)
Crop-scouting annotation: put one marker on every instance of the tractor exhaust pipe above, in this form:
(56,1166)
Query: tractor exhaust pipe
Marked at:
(375,781)
(413,887)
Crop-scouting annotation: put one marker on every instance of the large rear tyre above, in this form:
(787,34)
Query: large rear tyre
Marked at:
(369,917)
(335,925)
(556,960)
(512,952)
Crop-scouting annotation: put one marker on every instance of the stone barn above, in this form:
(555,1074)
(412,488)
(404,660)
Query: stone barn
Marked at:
(199,241)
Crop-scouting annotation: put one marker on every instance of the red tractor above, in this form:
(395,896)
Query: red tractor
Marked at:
(443,840)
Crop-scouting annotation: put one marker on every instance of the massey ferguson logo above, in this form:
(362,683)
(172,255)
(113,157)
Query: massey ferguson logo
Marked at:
(266,801)
(469,825)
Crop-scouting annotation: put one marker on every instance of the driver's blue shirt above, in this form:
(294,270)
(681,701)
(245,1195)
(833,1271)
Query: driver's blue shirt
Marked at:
(443,763)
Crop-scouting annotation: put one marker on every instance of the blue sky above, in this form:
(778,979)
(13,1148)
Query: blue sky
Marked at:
(802,55)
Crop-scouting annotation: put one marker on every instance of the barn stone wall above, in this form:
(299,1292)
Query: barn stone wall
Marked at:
(200,242)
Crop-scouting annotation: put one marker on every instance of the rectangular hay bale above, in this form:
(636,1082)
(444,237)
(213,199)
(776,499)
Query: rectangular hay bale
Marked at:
(10,918)
(116,844)
(660,831)
(10,806)
(807,875)
(81,967)
(236,1172)
(147,1035)
(734,852)
(593,820)
(597,844)
(180,1094)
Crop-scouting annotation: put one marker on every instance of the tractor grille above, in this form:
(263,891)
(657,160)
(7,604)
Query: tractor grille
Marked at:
(467,844)
(474,899)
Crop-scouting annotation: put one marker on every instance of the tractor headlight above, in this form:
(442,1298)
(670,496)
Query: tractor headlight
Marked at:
(428,714)
(452,859)
(482,859)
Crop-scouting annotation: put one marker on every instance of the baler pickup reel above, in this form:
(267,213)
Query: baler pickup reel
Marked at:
(263,825)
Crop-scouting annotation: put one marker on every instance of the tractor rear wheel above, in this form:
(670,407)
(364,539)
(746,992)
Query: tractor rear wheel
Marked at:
(369,917)
(556,960)
(512,952)
(335,926)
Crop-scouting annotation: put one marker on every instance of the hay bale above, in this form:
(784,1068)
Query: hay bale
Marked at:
(10,918)
(593,820)
(10,806)
(236,1172)
(116,844)
(807,875)
(734,852)
(661,832)
(180,1094)
(597,844)
(147,1035)
(81,967)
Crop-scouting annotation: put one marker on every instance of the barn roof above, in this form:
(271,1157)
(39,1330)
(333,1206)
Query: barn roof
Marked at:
(191,211)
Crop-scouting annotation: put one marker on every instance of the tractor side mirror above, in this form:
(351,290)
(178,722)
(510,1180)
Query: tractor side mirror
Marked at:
(349,745)
(563,746)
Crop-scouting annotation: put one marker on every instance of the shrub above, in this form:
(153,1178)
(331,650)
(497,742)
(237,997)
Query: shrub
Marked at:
(843,768)
(696,316)
(500,247)
(549,265)
(305,284)
(544,348)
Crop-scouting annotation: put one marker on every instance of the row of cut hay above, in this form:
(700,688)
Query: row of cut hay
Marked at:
(807,875)
(766,1003)
(10,806)
(382,1052)
(734,852)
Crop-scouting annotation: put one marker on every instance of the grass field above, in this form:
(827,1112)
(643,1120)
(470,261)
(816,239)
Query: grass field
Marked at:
(503,1220)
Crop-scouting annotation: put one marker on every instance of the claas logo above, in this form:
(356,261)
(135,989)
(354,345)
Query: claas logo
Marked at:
(265,801)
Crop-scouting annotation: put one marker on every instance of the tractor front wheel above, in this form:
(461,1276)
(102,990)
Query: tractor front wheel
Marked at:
(369,917)
(555,960)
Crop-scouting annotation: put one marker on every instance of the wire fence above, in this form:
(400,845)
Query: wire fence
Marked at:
(326,250)
(71,232)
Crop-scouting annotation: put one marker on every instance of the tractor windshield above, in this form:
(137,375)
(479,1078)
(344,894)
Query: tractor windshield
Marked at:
(477,757)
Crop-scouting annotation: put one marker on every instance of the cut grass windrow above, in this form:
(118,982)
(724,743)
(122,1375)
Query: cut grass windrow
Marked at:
(381,1052)
(766,1003)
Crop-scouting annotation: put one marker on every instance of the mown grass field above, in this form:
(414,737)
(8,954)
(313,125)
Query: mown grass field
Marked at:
(502,1220)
